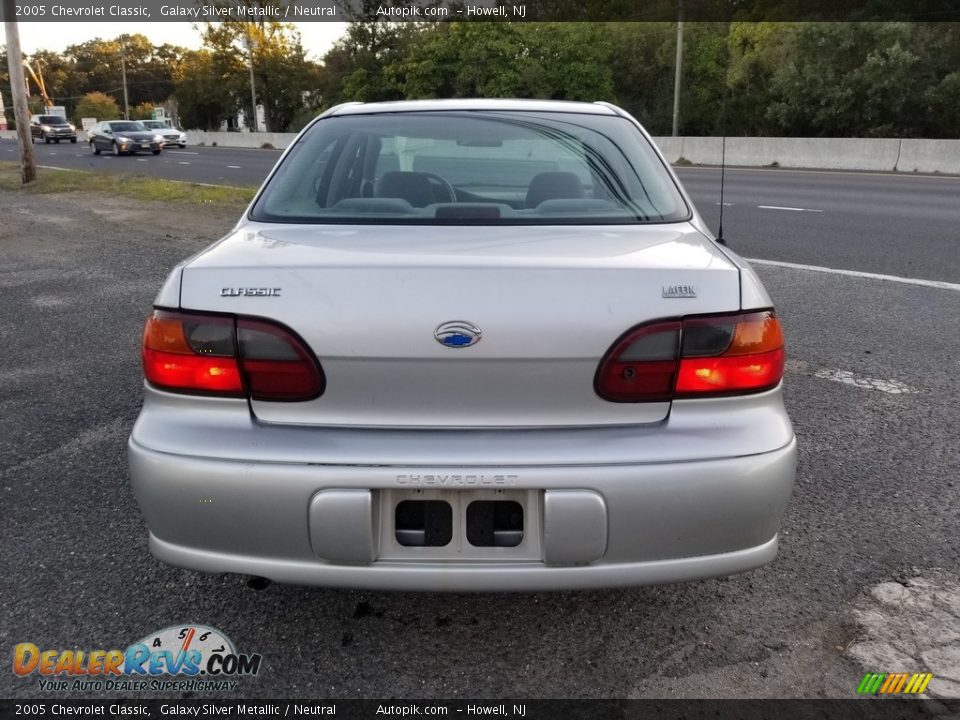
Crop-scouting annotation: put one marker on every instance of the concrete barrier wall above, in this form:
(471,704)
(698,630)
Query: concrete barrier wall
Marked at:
(930,156)
(240,139)
(875,154)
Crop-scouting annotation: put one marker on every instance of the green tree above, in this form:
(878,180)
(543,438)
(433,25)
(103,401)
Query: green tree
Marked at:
(97,105)
(205,92)
(285,79)
(143,111)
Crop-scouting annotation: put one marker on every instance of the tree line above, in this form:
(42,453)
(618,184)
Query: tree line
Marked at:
(845,79)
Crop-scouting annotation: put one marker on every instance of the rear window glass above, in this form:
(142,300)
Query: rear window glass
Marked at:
(476,167)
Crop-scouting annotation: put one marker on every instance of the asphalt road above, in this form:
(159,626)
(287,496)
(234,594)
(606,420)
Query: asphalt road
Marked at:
(871,387)
(888,223)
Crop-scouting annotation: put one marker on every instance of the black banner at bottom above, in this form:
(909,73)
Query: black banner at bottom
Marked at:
(867,709)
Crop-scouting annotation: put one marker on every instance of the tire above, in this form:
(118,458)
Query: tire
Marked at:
(94,149)
(57,141)
(155,152)
(46,140)
(73,141)
(116,148)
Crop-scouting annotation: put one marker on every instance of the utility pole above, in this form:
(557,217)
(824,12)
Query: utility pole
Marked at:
(677,71)
(18,91)
(126,103)
(253,92)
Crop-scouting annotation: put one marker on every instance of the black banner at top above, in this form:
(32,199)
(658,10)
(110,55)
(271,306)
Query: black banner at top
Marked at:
(480,10)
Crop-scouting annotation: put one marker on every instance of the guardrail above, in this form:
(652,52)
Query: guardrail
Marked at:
(876,154)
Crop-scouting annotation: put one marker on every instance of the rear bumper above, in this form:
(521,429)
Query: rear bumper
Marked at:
(465,578)
(606,522)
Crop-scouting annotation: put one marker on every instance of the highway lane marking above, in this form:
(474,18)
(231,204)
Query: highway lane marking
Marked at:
(182,152)
(233,167)
(780,207)
(182,162)
(846,377)
(937,284)
(141,159)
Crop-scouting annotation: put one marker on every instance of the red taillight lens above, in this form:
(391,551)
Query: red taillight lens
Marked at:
(752,360)
(221,355)
(695,357)
(276,364)
(642,365)
(191,353)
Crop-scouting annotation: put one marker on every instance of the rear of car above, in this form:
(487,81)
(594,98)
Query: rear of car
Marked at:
(474,345)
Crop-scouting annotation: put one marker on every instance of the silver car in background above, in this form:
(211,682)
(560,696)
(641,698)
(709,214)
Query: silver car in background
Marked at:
(465,345)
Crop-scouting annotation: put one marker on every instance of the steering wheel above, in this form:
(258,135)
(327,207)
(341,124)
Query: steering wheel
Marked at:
(438,181)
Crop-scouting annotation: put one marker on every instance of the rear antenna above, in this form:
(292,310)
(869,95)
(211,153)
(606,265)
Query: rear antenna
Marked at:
(723,166)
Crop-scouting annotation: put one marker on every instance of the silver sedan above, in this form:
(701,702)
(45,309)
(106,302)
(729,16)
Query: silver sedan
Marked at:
(465,345)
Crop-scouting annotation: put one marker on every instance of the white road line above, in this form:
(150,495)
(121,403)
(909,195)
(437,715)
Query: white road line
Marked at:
(182,152)
(725,204)
(779,207)
(233,167)
(182,162)
(892,387)
(141,159)
(846,377)
(938,284)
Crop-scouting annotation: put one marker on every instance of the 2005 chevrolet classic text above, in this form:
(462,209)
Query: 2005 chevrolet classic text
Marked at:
(465,345)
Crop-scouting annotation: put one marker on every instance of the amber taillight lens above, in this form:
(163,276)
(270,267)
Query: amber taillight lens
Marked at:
(228,356)
(694,357)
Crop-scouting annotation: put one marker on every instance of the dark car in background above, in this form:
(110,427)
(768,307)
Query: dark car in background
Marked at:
(123,137)
(171,135)
(51,128)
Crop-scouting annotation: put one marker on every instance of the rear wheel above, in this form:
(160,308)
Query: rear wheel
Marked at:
(94,149)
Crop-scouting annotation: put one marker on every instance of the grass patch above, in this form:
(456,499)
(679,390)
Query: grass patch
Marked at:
(139,187)
(682,161)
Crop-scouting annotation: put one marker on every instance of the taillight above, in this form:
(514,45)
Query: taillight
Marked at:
(229,357)
(695,357)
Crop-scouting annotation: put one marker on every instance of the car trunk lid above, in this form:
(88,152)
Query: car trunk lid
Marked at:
(549,301)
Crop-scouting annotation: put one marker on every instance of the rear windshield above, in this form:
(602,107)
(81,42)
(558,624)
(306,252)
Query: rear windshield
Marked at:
(472,168)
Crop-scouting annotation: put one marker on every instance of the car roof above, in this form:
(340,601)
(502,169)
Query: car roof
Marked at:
(473,104)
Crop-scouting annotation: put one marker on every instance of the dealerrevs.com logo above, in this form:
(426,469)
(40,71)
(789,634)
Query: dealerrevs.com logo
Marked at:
(176,659)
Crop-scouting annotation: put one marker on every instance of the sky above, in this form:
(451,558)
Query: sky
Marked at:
(55,36)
